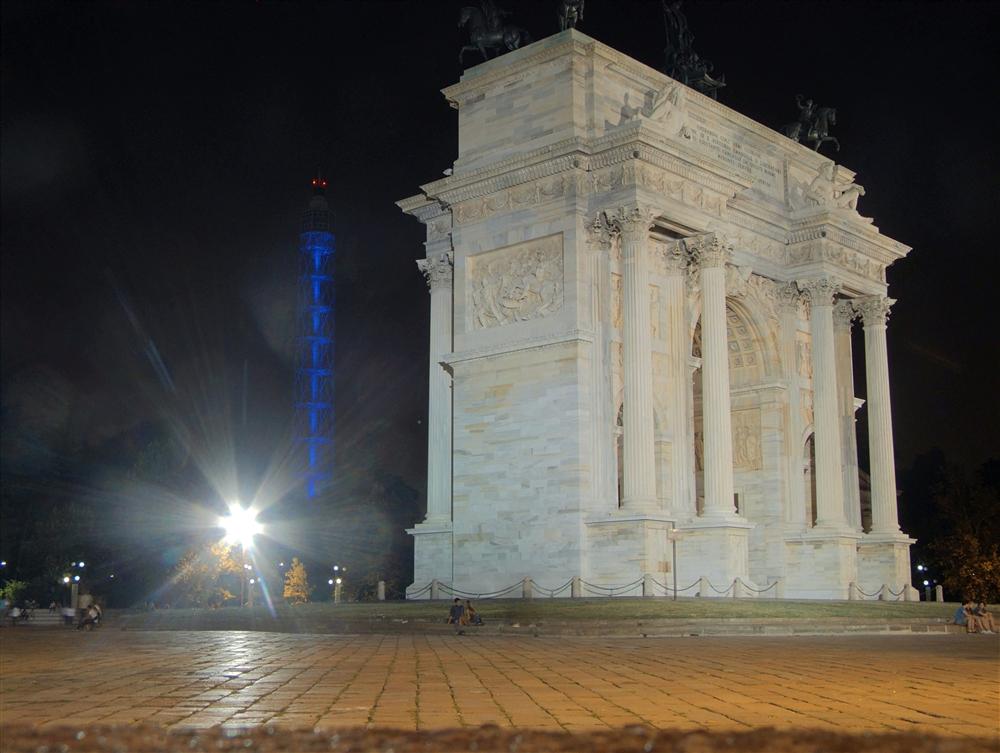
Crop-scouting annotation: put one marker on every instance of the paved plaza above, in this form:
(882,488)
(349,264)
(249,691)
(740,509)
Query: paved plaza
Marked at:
(945,684)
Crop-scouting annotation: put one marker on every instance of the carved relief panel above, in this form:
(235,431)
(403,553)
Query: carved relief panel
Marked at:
(747,455)
(515,284)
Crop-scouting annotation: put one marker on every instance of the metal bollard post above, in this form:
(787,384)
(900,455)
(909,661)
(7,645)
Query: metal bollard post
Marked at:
(703,587)
(883,593)
(737,588)
(435,590)
(526,589)
(576,587)
(381,590)
(647,585)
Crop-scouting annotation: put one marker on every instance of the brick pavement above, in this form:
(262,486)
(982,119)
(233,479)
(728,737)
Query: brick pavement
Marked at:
(947,685)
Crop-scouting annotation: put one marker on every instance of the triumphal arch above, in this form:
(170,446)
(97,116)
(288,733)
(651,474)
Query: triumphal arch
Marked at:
(641,311)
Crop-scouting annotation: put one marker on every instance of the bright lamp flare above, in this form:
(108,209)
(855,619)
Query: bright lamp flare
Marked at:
(240,525)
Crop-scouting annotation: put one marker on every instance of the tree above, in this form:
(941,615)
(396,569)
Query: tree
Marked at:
(198,577)
(12,590)
(969,550)
(296,583)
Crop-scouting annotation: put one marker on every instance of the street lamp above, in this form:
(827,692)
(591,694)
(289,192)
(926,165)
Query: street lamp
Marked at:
(241,526)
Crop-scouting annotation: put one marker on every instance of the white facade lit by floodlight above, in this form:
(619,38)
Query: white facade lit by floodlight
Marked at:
(240,525)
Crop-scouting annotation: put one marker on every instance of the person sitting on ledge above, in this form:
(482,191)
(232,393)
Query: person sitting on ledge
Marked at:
(965,616)
(986,622)
(472,617)
(456,614)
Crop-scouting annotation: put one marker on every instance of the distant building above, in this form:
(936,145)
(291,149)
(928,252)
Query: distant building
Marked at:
(314,374)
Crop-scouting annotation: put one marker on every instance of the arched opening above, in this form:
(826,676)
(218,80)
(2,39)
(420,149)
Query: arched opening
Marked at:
(809,479)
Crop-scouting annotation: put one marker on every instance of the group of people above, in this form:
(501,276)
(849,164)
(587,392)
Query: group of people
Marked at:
(976,618)
(462,615)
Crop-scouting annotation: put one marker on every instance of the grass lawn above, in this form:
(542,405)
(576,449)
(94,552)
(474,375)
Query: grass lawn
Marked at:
(539,611)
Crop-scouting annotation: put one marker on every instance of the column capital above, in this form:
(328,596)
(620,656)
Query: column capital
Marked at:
(631,220)
(600,232)
(844,312)
(438,269)
(789,298)
(874,309)
(674,258)
(710,250)
(819,291)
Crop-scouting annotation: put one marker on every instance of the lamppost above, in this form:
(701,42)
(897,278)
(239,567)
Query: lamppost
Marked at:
(673,535)
(241,526)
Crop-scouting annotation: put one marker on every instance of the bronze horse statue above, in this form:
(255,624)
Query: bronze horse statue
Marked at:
(814,127)
(483,36)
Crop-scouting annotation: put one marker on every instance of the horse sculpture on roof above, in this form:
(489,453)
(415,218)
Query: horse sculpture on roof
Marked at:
(488,32)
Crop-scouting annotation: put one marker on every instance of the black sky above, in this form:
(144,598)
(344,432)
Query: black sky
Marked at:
(158,154)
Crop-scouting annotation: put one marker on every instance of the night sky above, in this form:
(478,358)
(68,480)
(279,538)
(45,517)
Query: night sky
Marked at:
(156,158)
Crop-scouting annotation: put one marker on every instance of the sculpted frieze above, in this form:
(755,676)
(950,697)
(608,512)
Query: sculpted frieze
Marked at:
(517,283)
(519,197)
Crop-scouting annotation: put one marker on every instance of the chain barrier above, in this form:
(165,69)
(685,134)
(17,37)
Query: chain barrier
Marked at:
(748,587)
(610,589)
(669,589)
(866,594)
(723,593)
(552,591)
(486,595)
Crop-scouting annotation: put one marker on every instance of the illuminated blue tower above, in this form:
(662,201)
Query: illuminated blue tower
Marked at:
(314,367)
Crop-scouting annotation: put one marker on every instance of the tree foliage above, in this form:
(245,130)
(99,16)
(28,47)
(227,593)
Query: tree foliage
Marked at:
(296,583)
(200,578)
(12,590)
(969,549)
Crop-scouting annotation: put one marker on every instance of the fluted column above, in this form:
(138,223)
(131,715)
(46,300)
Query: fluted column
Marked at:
(875,311)
(438,270)
(712,254)
(829,480)
(639,451)
(678,352)
(843,314)
(602,405)
(789,306)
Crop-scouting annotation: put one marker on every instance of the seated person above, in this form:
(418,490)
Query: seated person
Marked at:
(456,616)
(966,616)
(472,617)
(985,617)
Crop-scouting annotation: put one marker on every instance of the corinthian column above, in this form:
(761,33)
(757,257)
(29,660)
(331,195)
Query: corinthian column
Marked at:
(829,480)
(712,254)
(678,351)
(843,314)
(875,311)
(639,451)
(437,268)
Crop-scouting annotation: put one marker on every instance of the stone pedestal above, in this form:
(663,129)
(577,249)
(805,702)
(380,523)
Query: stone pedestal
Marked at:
(821,565)
(432,557)
(884,558)
(625,546)
(714,550)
